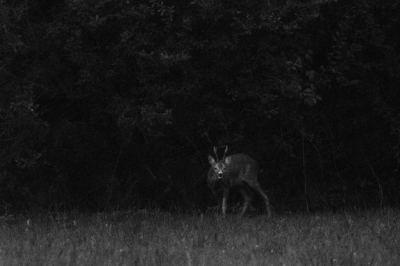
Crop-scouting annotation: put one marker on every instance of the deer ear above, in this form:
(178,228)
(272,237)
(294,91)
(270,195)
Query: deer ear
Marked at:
(228,160)
(211,160)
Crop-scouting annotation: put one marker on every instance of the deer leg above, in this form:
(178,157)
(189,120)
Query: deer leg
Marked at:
(224,201)
(216,196)
(257,187)
(247,200)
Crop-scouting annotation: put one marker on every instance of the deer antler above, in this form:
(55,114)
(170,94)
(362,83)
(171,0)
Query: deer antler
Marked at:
(226,149)
(216,154)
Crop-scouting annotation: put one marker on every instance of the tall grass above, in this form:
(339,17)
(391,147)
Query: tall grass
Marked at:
(159,238)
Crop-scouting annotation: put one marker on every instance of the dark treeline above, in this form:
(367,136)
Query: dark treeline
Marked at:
(111,104)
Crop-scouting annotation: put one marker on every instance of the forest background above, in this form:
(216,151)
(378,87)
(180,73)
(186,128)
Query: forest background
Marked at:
(109,104)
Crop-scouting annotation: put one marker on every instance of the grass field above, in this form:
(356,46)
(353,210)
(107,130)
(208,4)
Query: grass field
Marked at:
(159,238)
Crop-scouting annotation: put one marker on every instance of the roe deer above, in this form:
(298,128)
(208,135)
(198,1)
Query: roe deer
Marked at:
(235,170)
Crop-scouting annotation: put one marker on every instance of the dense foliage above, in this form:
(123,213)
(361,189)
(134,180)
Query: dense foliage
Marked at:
(114,104)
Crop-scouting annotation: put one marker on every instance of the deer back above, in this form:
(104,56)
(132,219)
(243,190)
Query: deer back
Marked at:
(240,167)
(235,168)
